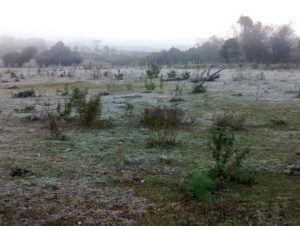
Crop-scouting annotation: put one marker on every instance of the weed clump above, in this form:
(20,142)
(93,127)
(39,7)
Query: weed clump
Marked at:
(149,85)
(198,88)
(162,122)
(87,111)
(177,94)
(200,185)
(228,119)
(53,127)
(227,156)
(158,116)
(172,74)
(153,71)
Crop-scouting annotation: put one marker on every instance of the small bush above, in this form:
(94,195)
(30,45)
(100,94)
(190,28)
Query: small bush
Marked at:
(172,74)
(119,75)
(24,94)
(177,94)
(162,136)
(227,119)
(198,88)
(149,85)
(153,71)
(129,107)
(227,156)
(185,75)
(162,116)
(200,185)
(162,123)
(53,127)
(89,112)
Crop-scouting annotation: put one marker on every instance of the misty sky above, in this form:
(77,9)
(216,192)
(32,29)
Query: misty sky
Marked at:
(138,22)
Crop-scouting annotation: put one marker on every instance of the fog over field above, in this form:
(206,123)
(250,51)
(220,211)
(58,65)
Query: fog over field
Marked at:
(147,24)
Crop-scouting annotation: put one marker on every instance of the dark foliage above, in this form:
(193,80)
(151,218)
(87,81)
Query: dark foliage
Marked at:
(59,54)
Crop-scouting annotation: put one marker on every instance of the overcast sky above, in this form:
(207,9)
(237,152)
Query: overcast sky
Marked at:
(138,22)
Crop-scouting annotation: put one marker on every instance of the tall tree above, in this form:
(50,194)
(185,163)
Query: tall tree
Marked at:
(230,50)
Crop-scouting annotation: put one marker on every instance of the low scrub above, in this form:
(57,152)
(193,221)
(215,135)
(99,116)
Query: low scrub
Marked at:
(228,119)
(162,122)
(160,117)
(24,94)
(89,111)
(198,88)
(226,153)
(53,127)
(200,185)
(86,111)
(177,94)
(149,85)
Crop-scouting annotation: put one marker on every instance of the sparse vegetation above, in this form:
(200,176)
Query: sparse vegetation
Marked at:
(123,138)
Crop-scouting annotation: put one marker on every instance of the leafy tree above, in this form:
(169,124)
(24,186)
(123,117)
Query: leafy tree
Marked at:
(28,53)
(281,43)
(59,54)
(253,39)
(230,50)
(12,59)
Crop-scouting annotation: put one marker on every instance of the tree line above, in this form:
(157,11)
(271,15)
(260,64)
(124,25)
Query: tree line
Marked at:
(252,42)
(59,54)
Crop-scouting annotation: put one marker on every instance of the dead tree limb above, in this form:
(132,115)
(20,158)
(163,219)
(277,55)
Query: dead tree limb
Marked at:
(209,77)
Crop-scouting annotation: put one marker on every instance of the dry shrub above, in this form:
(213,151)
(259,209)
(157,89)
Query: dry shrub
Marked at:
(228,119)
(162,122)
(162,116)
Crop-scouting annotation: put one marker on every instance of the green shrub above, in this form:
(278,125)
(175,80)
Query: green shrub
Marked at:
(149,85)
(153,71)
(162,136)
(53,127)
(200,185)
(227,156)
(89,111)
(228,119)
(198,88)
